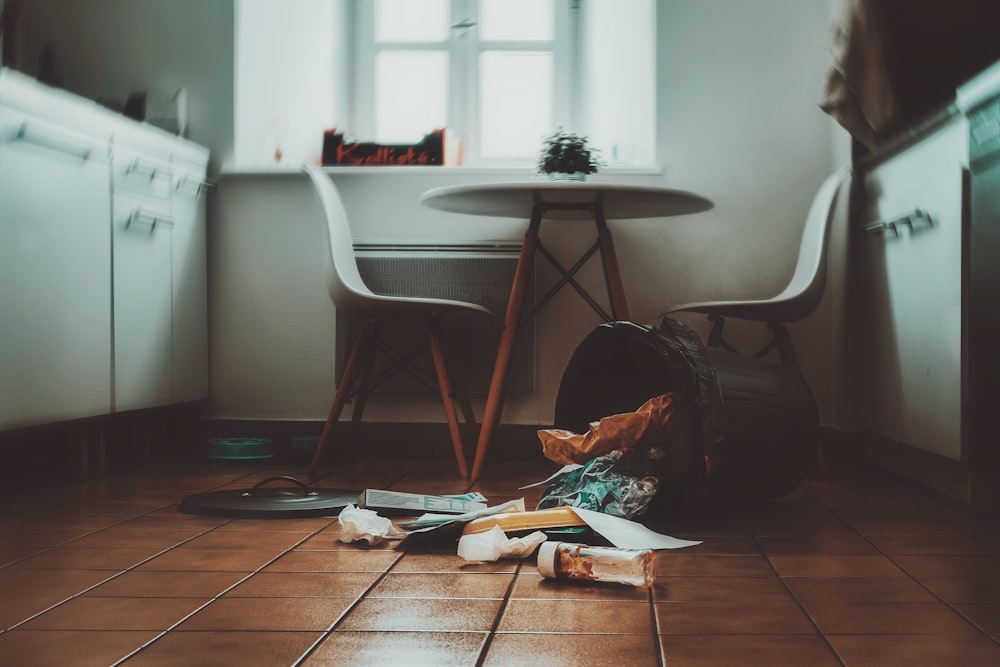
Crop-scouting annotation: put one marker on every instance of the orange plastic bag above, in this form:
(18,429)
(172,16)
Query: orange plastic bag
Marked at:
(623,431)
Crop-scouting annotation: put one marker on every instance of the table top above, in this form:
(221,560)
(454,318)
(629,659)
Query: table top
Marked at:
(516,200)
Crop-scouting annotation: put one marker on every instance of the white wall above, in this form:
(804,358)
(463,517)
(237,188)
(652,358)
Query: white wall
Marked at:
(110,48)
(737,85)
(286,72)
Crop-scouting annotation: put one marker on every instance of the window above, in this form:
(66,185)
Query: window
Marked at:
(500,74)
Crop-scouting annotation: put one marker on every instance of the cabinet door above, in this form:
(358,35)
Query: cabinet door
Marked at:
(190,285)
(142,228)
(55,273)
(910,320)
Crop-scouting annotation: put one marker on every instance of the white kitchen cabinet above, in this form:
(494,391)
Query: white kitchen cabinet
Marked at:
(55,270)
(102,260)
(910,295)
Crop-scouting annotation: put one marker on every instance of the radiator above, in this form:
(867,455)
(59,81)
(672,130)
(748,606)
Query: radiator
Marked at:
(479,273)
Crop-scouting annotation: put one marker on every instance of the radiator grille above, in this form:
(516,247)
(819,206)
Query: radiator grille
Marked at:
(480,274)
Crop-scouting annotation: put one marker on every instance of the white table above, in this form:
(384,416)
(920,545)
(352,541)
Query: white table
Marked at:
(539,200)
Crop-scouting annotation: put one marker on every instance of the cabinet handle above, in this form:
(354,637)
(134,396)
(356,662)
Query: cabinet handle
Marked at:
(138,217)
(194,184)
(916,220)
(136,166)
(48,140)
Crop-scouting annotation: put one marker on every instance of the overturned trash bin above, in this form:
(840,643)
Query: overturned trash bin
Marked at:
(742,430)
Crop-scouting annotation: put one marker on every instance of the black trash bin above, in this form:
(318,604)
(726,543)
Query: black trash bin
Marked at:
(743,429)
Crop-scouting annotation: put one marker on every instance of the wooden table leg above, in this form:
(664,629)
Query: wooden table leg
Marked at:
(612,276)
(494,400)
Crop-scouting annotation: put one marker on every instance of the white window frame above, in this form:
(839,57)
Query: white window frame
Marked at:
(464,48)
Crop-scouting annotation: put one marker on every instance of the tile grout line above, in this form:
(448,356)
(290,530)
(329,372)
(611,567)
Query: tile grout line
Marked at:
(484,651)
(657,644)
(916,580)
(214,597)
(325,634)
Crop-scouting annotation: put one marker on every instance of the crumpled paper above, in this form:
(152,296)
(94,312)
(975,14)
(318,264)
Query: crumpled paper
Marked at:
(616,432)
(494,544)
(358,524)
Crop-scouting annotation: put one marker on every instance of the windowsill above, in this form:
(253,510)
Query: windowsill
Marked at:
(281,170)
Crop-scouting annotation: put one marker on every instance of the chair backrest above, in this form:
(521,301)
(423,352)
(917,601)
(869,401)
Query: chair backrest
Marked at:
(347,288)
(805,289)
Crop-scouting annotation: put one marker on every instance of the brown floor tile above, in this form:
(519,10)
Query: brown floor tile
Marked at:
(746,651)
(578,617)
(985,616)
(961,545)
(335,561)
(532,586)
(879,527)
(172,521)
(88,558)
(547,650)
(268,614)
(154,584)
(232,539)
(916,650)
(90,613)
(725,545)
(822,543)
(31,537)
(18,608)
(186,558)
(957,567)
(857,618)
(225,649)
(680,589)
(116,537)
(57,583)
(486,586)
(422,615)
(676,564)
(47,648)
(449,562)
(10,555)
(835,566)
(734,617)
(871,589)
(436,649)
(975,589)
(305,584)
(257,526)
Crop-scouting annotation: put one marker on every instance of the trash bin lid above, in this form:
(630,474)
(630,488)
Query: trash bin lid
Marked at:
(276,502)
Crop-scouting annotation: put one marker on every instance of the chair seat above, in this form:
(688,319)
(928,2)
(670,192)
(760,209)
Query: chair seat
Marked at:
(762,310)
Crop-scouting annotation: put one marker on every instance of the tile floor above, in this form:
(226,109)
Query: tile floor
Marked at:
(853,568)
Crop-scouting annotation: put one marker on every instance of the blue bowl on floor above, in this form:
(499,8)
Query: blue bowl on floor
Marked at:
(240,449)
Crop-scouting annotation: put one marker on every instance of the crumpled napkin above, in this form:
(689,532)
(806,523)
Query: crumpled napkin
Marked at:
(358,524)
(494,544)
(622,432)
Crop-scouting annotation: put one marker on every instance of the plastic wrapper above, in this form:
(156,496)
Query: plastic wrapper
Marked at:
(361,524)
(494,545)
(617,432)
(617,483)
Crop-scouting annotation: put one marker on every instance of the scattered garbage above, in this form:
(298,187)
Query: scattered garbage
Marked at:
(619,483)
(357,524)
(492,545)
(562,560)
(396,500)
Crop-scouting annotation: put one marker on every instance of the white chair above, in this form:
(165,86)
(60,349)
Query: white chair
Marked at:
(352,297)
(803,292)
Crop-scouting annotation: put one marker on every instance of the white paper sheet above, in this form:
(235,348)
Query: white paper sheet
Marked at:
(626,534)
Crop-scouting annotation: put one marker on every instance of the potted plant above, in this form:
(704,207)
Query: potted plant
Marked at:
(567,156)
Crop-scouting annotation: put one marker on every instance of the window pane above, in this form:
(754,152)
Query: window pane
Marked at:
(411,94)
(412,20)
(515,102)
(516,19)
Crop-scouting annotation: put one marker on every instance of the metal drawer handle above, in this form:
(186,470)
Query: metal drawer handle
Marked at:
(916,220)
(138,217)
(194,184)
(47,140)
(137,167)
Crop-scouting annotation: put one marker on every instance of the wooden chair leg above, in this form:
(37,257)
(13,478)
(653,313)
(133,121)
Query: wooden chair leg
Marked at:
(444,383)
(351,371)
